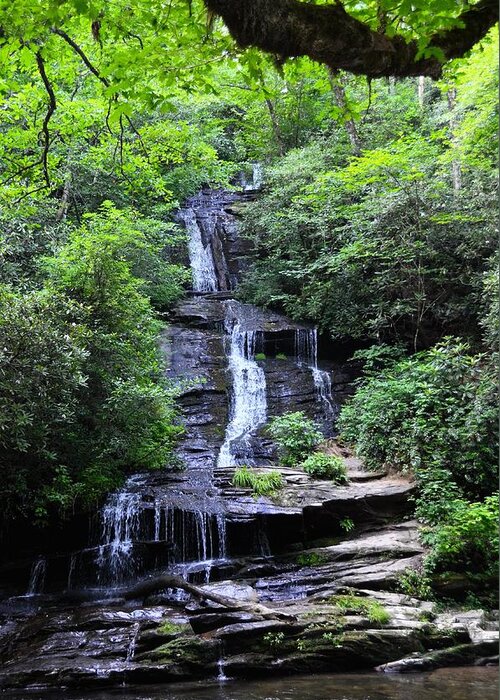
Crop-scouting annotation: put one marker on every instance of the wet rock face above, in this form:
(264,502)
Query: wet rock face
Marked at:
(213,213)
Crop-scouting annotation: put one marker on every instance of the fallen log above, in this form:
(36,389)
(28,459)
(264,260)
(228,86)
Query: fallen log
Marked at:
(158,583)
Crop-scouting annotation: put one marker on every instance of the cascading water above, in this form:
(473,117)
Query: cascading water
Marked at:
(200,255)
(256,182)
(306,354)
(249,401)
(37,577)
(188,533)
(120,528)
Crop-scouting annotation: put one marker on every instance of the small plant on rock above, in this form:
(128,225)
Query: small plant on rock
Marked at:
(336,639)
(296,436)
(372,609)
(324,466)
(274,640)
(347,524)
(415,583)
(260,356)
(265,484)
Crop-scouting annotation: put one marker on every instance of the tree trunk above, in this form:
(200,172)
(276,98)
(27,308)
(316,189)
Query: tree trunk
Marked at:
(340,98)
(63,208)
(421,90)
(160,582)
(456,169)
(276,127)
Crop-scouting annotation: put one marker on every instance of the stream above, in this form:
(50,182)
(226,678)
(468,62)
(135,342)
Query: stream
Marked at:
(443,684)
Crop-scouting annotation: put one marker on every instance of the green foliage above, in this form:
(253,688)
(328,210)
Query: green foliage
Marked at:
(352,604)
(260,356)
(347,525)
(265,484)
(381,246)
(334,638)
(415,583)
(467,540)
(82,397)
(274,640)
(281,356)
(311,559)
(433,412)
(322,466)
(295,434)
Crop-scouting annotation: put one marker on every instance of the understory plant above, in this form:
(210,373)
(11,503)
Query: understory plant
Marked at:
(434,411)
(434,415)
(324,466)
(296,436)
(262,484)
(467,540)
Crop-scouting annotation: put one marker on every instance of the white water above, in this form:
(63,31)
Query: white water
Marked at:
(71,572)
(133,642)
(249,402)
(257,177)
(37,577)
(306,353)
(120,527)
(193,533)
(200,255)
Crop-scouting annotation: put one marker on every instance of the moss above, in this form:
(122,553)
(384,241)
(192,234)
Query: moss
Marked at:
(311,559)
(169,627)
(186,650)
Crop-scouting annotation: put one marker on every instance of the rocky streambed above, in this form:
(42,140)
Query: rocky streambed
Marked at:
(330,606)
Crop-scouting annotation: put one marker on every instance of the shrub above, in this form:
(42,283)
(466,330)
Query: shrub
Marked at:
(324,466)
(260,356)
(295,434)
(265,484)
(434,411)
(467,541)
(415,583)
(281,356)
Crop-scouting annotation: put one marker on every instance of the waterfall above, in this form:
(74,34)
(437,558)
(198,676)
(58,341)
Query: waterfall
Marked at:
(37,577)
(71,572)
(200,255)
(120,527)
(249,402)
(306,354)
(257,176)
(256,182)
(190,531)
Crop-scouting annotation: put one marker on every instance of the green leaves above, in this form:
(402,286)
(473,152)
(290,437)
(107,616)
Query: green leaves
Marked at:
(296,436)
(82,398)
(323,466)
(432,414)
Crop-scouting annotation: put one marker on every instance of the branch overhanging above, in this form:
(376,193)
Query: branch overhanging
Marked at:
(329,35)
